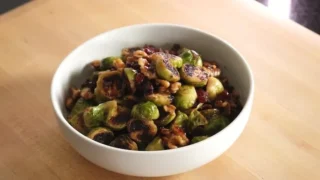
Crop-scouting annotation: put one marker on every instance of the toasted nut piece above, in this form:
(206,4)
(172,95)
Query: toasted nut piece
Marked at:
(69,103)
(174,87)
(169,108)
(96,64)
(140,54)
(86,93)
(74,93)
(163,83)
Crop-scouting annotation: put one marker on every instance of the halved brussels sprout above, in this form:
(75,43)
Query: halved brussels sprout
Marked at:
(164,67)
(141,130)
(209,113)
(112,62)
(124,142)
(130,75)
(214,87)
(119,121)
(180,120)
(101,135)
(190,57)
(155,144)
(93,116)
(176,61)
(128,101)
(216,124)
(193,75)
(196,119)
(185,97)
(109,86)
(145,111)
(77,123)
(166,115)
(160,99)
(198,139)
(80,106)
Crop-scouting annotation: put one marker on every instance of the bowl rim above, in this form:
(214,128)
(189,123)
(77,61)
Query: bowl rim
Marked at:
(61,118)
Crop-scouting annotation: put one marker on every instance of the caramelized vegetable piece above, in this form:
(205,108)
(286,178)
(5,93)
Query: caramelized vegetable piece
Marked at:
(198,139)
(185,97)
(130,75)
(119,121)
(77,123)
(216,124)
(160,99)
(190,57)
(209,113)
(164,67)
(155,145)
(80,106)
(141,130)
(112,62)
(109,86)
(214,87)
(93,116)
(124,142)
(196,119)
(145,111)
(180,120)
(193,75)
(101,135)
(166,116)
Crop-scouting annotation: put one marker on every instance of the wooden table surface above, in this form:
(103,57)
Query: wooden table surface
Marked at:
(281,140)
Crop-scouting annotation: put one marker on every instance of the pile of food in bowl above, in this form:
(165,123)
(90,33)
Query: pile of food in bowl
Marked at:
(153,99)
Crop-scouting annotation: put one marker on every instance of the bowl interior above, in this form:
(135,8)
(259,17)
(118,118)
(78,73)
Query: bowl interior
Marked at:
(74,69)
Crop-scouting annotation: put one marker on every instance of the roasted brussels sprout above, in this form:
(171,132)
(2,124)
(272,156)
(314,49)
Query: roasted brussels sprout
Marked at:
(77,123)
(109,86)
(166,115)
(130,75)
(180,120)
(119,121)
(198,139)
(190,57)
(193,75)
(145,111)
(80,106)
(111,62)
(209,113)
(155,145)
(164,67)
(185,97)
(160,99)
(216,124)
(196,119)
(141,130)
(124,142)
(93,116)
(214,87)
(101,135)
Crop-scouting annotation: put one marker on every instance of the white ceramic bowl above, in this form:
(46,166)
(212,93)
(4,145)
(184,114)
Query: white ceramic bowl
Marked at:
(73,70)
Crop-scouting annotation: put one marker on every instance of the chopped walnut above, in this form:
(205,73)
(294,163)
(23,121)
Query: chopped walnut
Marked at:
(96,64)
(73,96)
(174,138)
(125,52)
(169,108)
(140,54)
(146,68)
(174,87)
(86,93)
(163,83)
(211,69)
(69,103)
(163,89)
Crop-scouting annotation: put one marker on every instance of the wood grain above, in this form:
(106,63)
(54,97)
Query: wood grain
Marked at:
(281,140)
